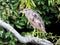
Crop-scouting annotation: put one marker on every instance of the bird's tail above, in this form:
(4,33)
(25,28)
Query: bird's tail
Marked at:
(43,29)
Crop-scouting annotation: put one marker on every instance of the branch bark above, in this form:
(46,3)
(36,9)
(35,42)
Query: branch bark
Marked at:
(24,39)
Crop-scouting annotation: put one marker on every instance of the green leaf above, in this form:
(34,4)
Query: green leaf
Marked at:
(1,33)
(58,42)
(19,26)
(8,34)
(58,1)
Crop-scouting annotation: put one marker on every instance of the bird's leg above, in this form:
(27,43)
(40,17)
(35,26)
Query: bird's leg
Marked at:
(34,32)
(37,32)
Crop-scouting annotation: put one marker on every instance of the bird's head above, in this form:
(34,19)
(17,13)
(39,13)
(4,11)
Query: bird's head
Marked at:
(24,10)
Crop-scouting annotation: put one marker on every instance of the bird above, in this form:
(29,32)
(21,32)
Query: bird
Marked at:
(34,18)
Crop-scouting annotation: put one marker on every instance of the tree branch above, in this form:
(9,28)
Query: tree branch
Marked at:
(24,39)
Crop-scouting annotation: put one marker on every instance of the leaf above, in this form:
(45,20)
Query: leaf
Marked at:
(47,22)
(7,34)
(19,26)
(1,33)
(58,1)
(11,43)
(33,3)
(58,42)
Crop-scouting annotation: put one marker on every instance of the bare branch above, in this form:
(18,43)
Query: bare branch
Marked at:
(24,39)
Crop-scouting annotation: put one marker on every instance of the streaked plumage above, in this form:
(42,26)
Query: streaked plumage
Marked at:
(34,18)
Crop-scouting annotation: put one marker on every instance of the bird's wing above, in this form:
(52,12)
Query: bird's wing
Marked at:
(36,24)
(40,26)
(38,17)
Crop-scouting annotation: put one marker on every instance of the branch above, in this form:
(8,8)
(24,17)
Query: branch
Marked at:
(24,39)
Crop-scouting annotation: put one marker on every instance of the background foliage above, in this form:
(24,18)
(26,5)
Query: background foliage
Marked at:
(9,12)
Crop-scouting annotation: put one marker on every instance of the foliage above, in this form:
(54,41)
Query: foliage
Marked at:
(9,12)
(58,42)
